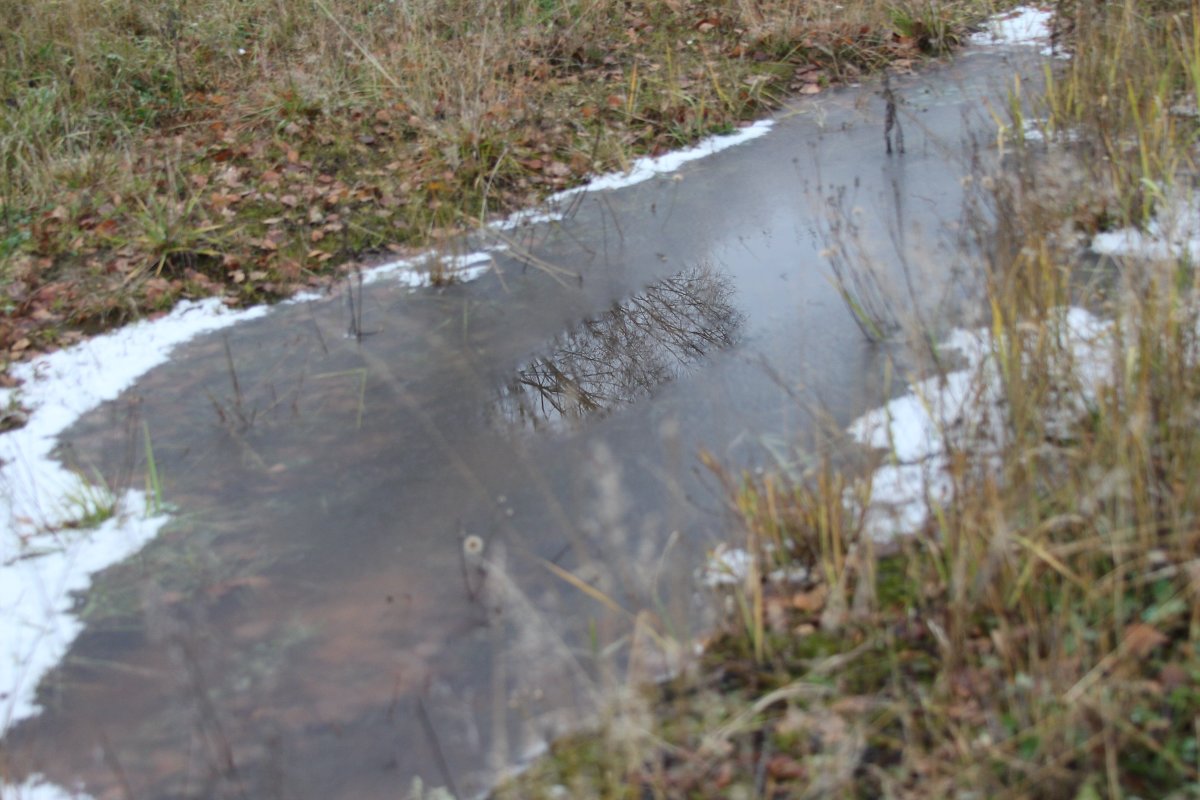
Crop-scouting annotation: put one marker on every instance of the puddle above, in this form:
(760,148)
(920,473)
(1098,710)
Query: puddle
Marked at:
(621,356)
(309,624)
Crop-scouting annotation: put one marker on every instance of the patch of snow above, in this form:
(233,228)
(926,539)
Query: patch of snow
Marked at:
(37,788)
(1034,130)
(40,566)
(417,272)
(725,566)
(964,411)
(1173,233)
(1025,25)
(36,596)
(729,566)
(61,387)
(642,169)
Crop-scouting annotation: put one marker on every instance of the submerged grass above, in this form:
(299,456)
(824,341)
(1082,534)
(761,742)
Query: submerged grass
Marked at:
(1038,636)
(155,150)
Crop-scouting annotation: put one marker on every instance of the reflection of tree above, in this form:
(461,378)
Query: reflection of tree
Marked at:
(620,356)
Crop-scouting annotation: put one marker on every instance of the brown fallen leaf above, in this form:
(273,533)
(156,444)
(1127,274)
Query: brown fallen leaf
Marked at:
(107,227)
(810,601)
(1142,639)
(786,768)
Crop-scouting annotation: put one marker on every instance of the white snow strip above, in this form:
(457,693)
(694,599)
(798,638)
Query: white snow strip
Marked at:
(642,169)
(59,388)
(1025,25)
(964,411)
(37,788)
(646,168)
(40,568)
(36,598)
(422,271)
(1173,233)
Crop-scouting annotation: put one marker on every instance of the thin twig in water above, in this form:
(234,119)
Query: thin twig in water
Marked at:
(487,187)
(528,258)
(355,329)
(890,120)
(436,745)
(237,389)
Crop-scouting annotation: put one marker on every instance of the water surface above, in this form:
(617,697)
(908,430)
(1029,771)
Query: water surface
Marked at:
(308,626)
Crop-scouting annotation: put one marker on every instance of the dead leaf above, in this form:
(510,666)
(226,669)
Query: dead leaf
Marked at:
(810,601)
(1141,639)
(1173,676)
(220,200)
(231,176)
(781,767)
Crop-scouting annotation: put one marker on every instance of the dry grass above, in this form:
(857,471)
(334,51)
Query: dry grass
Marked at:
(1039,635)
(156,150)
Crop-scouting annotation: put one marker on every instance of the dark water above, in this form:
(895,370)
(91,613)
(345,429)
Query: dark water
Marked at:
(309,626)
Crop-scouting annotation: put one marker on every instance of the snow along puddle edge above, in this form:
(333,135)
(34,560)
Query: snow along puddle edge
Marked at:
(43,565)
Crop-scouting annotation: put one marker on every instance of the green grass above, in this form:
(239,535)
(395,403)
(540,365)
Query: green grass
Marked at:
(89,504)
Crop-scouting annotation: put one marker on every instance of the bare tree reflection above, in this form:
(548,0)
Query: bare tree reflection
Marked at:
(620,356)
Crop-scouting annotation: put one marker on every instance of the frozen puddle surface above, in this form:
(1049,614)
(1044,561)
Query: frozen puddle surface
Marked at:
(308,620)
